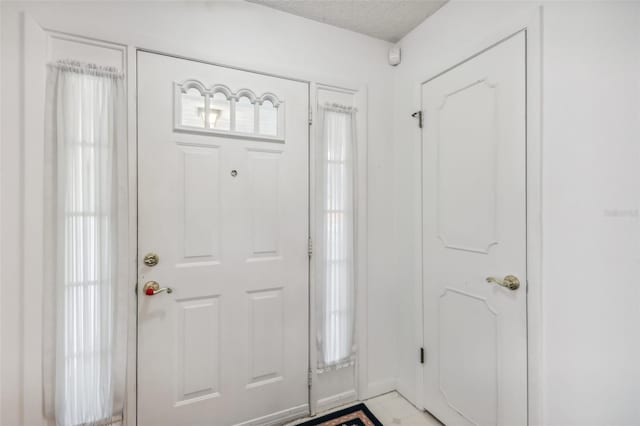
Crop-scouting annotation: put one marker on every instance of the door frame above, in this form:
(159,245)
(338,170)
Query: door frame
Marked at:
(531,25)
(37,33)
(361,389)
(361,99)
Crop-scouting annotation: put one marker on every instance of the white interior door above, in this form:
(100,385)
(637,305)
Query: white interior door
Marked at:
(223,202)
(474,225)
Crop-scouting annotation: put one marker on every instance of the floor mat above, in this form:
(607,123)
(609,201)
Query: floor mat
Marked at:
(356,415)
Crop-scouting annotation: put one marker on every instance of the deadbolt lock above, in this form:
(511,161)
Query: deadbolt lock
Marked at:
(151,259)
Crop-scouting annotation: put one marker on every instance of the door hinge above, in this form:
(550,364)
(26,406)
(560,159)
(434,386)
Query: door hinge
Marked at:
(418,115)
(421,355)
(310,117)
(310,247)
(309,377)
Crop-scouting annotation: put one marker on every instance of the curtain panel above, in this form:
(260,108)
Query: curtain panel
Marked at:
(86,242)
(335,236)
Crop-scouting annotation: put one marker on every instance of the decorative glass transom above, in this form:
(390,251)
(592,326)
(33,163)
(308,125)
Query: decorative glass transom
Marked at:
(218,110)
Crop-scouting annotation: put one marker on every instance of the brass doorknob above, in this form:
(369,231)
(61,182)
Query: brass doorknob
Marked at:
(151,288)
(511,282)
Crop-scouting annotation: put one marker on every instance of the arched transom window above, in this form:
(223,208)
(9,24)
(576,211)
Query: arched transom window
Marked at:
(219,111)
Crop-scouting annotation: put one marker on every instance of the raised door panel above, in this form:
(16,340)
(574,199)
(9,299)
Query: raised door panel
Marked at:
(266,338)
(264,194)
(201,219)
(468,354)
(198,349)
(466,143)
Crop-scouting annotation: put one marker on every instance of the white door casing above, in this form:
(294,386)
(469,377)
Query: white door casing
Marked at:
(229,345)
(474,227)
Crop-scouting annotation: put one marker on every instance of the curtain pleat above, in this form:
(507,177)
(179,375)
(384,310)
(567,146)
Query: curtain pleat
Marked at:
(335,235)
(86,234)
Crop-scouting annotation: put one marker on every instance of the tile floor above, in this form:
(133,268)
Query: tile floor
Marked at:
(392,409)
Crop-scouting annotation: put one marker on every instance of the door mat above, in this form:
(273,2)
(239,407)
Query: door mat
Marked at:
(356,415)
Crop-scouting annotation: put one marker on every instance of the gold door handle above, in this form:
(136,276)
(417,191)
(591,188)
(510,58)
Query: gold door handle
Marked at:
(151,288)
(511,282)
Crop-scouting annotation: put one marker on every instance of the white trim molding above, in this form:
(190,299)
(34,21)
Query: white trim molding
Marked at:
(337,400)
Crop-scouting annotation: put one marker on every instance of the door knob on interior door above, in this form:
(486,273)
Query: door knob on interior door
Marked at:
(153,287)
(511,282)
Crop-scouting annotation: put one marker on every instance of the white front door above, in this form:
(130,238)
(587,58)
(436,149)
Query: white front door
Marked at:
(223,203)
(474,228)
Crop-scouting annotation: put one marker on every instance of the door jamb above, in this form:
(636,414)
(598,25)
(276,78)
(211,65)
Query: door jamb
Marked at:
(531,24)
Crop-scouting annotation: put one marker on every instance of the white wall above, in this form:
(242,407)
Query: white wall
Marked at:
(591,304)
(590,197)
(234,33)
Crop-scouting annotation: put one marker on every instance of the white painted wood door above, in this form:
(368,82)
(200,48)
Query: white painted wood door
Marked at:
(474,227)
(229,345)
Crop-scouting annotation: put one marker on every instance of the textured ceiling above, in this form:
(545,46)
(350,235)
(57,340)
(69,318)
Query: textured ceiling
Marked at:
(384,19)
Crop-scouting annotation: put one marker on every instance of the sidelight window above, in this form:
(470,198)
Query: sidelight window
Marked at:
(86,235)
(335,236)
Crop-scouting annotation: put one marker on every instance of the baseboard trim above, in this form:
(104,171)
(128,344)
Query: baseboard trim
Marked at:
(280,417)
(336,400)
(380,387)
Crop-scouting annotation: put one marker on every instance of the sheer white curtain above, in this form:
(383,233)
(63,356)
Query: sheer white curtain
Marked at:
(335,237)
(86,245)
